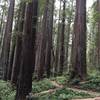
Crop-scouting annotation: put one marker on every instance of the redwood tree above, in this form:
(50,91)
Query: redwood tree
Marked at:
(79,41)
(44,62)
(57,44)
(62,39)
(98,35)
(24,85)
(7,39)
(18,48)
(49,32)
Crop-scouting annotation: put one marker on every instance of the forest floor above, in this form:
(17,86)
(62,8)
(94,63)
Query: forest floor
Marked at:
(56,88)
(95,94)
(60,86)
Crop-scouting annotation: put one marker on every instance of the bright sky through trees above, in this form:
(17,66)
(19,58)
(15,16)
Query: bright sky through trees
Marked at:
(89,3)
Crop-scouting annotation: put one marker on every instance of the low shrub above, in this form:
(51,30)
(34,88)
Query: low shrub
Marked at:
(42,86)
(7,92)
(61,80)
(64,94)
(93,83)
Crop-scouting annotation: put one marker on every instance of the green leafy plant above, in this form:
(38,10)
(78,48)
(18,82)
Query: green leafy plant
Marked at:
(7,92)
(63,94)
(42,86)
(93,83)
(61,80)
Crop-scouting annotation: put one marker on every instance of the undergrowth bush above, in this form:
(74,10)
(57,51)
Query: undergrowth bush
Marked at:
(42,86)
(6,91)
(93,83)
(61,80)
(64,94)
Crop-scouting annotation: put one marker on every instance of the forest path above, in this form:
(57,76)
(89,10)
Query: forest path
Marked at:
(95,94)
(58,86)
(97,98)
(50,90)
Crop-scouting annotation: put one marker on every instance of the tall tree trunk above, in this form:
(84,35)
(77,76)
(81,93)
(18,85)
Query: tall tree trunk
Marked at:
(12,47)
(62,39)
(24,86)
(57,45)
(49,32)
(70,18)
(11,56)
(1,25)
(46,40)
(18,48)
(7,38)
(17,60)
(98,36)
(79,41)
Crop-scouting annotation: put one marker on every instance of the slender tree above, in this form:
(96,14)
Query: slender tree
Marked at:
(7,39)
(69,31)
(62,39)
(98,35)
(12,45)
(49,32)
(46,40)
(57,45)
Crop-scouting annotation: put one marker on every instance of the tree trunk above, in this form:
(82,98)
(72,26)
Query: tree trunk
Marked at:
(62,40)
(18,48)
(79,41)
(24,86)
(7,39)
(98,36)
(12,47)
(58,44)
(49,32)
(17,60)
(11,56)
(46,40)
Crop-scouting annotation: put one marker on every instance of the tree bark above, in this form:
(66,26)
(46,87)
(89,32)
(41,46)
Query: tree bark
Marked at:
(24,86)
(62,40)
(46,40)
(18,48)
(49,32)
(79,41)
(57,45)
(7,39)
(98,36)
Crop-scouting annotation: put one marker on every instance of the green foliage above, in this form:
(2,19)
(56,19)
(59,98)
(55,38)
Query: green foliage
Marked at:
(42,86)
(63,94)
(74,81)
(93,83)
(96,16)
(6,91)
(93,72)
(61,80)
(41,5)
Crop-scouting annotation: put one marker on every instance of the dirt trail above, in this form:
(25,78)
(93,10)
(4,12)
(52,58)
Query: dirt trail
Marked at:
(50,90)
(77,90)
(95,94)
(97,98)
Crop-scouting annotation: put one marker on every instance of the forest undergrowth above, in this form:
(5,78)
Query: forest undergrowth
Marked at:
(56,89)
